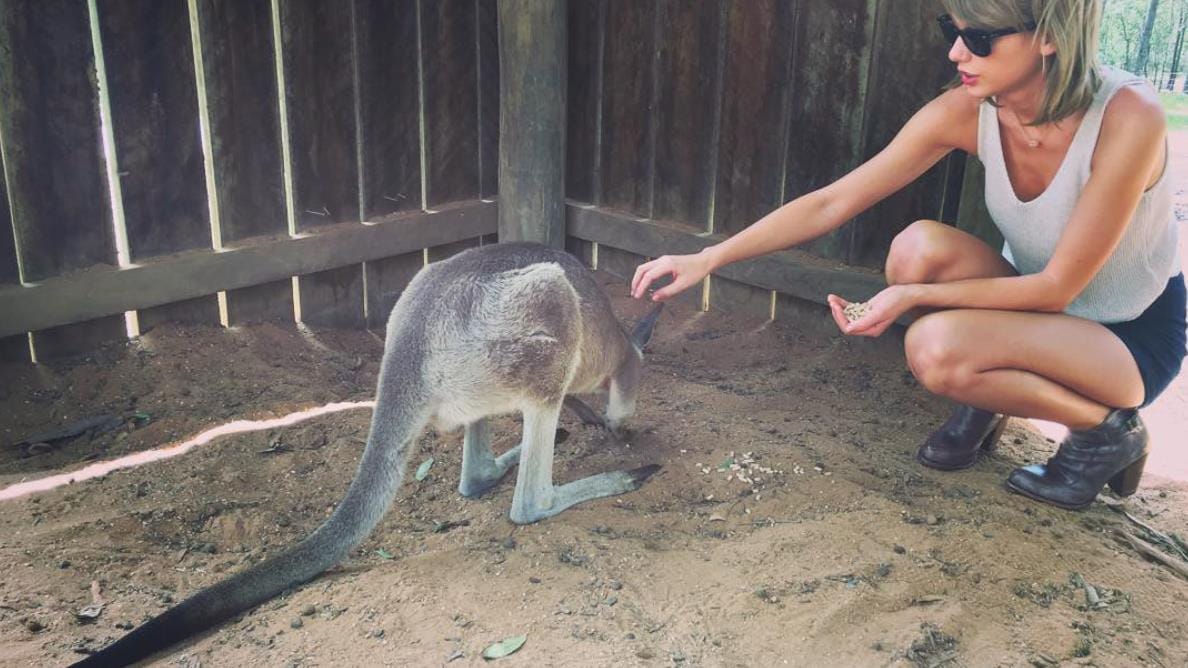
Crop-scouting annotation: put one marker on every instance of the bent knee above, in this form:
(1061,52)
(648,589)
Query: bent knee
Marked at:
(916,254)
(936,355)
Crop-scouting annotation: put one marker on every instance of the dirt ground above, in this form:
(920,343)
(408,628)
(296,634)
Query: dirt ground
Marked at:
(840,550)
(848,553)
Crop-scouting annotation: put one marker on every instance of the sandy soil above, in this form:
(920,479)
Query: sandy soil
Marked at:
(848,554)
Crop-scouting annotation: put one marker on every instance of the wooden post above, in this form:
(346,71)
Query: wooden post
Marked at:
(532,64)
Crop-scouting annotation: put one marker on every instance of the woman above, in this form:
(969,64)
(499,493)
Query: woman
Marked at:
(1081,319)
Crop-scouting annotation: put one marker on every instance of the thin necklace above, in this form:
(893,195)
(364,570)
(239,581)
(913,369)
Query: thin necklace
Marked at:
(1032,142)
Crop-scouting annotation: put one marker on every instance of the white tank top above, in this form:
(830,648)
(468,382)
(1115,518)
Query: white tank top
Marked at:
(1147,255)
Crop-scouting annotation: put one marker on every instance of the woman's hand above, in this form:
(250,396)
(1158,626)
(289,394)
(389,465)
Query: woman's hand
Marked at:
(685,270)
(882,311)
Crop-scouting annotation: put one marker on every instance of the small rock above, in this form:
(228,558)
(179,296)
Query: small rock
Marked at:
(610,601)
(899,549)
(296,623)
(645,653)
(509,543)
(534,580)
(308,610)
(34,625)
(64,564)
(615,585)
(931,520)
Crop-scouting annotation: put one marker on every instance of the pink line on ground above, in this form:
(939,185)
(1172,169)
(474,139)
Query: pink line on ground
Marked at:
(238,427)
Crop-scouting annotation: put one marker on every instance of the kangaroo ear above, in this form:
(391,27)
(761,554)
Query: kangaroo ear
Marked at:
(643,329)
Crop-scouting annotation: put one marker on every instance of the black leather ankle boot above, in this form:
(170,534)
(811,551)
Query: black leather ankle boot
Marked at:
(956,444)
(1113,452)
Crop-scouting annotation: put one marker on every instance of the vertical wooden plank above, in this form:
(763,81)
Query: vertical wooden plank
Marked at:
(49,122)
(386,281)
(686,116)
(270,302)
(149,61)
(488,98)
(333,298)
(581,249)
(199,311)
(148,56)
(807,317)
(15,349)
(734,297)
(239,67)
(972,215)
(619,263)
(79,338)
(450,83)
(532,109)
(909,67)
(387,42)
(241,94)
(318,52)
(584,99)
(9,271)
(626,95)
(753,134)
(319,73)
(952,185)
(829,85)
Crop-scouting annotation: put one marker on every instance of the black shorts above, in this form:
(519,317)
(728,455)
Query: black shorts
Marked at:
(1157,338)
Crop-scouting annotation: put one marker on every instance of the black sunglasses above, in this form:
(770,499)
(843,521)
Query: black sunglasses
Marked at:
(979,42)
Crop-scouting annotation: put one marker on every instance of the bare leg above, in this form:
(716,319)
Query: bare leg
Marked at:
(536,497)
(1038,365)
(481,469)
(932,252)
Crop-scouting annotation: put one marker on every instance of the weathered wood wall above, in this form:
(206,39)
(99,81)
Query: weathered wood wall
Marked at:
(347,142)
(185,156)
(701,117)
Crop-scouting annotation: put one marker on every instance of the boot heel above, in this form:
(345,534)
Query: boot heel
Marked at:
(990,443)
(1126,481)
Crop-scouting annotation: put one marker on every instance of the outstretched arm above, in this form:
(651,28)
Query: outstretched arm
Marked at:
(1130,153)
(940,126)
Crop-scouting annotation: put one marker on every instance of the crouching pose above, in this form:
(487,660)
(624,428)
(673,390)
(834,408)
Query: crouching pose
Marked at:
(493,330)
(1080,319)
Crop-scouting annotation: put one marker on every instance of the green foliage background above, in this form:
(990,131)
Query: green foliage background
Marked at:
(1122,24)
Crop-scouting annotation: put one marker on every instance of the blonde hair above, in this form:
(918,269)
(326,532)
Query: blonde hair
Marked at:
(1072,26)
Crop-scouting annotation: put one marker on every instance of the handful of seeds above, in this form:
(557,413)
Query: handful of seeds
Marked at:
(856,310)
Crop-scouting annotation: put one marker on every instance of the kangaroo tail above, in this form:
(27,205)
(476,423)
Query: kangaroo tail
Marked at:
(400,414)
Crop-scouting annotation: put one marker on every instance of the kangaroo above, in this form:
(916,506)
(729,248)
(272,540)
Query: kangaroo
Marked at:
(490,331)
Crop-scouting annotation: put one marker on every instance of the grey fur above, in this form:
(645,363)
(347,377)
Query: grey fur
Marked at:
(490,331)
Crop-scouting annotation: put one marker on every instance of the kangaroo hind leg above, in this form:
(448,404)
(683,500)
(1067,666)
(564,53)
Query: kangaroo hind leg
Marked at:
(481,469)
(536,497)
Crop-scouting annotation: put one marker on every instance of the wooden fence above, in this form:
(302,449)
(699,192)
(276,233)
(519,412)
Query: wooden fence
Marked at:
(185,159)
(688,121)
(243,160)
